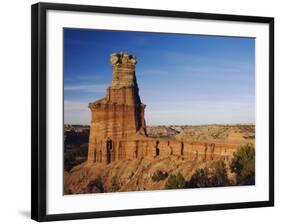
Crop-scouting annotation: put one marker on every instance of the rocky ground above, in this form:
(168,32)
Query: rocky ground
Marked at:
(136,175)
(127,175)
(203,132)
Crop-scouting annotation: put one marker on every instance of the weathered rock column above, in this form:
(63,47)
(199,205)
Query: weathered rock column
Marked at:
(120,114)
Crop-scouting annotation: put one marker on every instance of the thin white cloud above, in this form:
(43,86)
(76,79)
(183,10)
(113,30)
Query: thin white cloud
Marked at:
(202,63)
(153,72)
(75,105)
(179,112)
(76,112)
(182,113)
(78,77)
(95,88)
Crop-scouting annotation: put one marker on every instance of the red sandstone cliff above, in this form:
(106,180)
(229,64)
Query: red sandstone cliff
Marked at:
(119,115)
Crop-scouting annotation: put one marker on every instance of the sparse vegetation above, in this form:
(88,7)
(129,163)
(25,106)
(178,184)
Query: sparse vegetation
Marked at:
(240,170)
(175,181)
(243,165)
(159,175)
(214,176)
(219,174)
(200,178)
(75,148)
(75,155)
(202,132)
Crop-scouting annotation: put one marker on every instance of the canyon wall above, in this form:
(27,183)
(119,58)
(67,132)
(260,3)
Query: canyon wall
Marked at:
(110,151)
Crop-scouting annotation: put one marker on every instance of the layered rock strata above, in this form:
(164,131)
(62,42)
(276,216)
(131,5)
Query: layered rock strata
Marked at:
(118,130)
(119,115)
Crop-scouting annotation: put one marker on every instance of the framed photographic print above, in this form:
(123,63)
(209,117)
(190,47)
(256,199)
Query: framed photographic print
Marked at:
(139,111)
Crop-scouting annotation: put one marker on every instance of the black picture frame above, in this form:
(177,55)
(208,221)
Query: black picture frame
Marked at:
(38,108)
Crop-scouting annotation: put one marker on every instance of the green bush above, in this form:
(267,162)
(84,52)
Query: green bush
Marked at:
(175,181)
(214,176)
(159,175)
(200,178)
(219,174)
(243,165)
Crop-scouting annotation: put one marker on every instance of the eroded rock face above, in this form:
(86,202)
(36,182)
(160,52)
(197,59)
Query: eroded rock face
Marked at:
(118,130)
(123,72)
(120,114)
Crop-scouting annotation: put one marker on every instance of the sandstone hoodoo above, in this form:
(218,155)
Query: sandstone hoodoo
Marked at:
(118,129)
(117,116)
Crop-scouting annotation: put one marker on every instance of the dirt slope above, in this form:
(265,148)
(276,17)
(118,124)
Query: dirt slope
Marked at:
(127,175)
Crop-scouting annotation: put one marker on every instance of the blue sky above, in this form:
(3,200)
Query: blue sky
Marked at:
(183,79)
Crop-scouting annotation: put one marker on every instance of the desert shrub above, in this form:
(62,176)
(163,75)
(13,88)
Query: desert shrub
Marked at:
(159,175)
(199,178)
(243,165)
(83,150)
(75,155)
(175,181)
(95,186)
(213,176)
(76,138)
(219,174)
